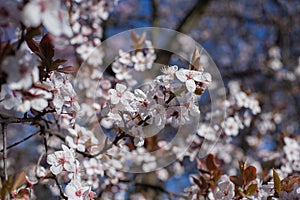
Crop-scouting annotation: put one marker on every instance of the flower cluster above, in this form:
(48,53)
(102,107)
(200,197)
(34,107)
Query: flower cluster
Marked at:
(94,131)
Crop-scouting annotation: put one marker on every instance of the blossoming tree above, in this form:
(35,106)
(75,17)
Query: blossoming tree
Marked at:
(79,122)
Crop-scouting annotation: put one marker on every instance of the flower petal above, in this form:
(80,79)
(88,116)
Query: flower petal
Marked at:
(190,85)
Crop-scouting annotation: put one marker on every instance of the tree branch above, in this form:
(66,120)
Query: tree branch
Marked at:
(21,141)
(188,22)
(190,19)
(4,134)
(157,188)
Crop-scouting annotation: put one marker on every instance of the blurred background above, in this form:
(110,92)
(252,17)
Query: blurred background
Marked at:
(255,43)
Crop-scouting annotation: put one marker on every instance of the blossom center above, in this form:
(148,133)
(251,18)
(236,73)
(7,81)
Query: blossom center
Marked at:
(189,77)
(62,161)
(119,94)
(78,193)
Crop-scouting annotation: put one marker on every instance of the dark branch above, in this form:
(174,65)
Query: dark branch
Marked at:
(21,141)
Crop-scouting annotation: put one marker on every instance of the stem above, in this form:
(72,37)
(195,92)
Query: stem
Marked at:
(21,141)
(60,189)
(4,134)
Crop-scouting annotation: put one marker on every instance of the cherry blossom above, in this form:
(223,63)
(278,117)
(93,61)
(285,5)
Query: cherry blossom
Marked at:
(190,78)
(224,189)
(53,17)
(93,166)
(120,94)
(75,190)
(139,61)
(21,69)
(231,127)
(37,100)
(62,160)
(9,99)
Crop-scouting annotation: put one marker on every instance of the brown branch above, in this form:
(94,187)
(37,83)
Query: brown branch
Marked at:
(157,188)
(4,134)
(187,23)
(12,120)
(60,189)
(21,141)
(189,19)
(161,189)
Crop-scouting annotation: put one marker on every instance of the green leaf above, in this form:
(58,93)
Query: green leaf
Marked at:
(277,182)
(19,181)
(249,174)
(251,189)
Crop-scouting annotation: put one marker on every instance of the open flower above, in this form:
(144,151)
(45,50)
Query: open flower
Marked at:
(231,127)
(120,94)
(75,191)
(190,78)
(139,61)
(49,13)
(61,160)
(224,189)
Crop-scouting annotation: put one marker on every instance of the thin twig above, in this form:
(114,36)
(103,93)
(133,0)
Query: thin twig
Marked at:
(16,120)
(60,189)
(43,133)
(4,134)
(161,189)
(157,188)
(21,141)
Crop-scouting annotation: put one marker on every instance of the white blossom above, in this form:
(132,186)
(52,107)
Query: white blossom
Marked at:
(224,189)
(62,160)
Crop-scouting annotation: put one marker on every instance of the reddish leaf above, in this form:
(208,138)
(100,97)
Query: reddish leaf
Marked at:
(288,183)
(251,189)
(197,181)
(249,174)
(138,40)
(32,32)
(242,166)
(200,163)
(195,61)
(42,86)
(277,183)
(210,163)
(19,180)
(23,193)
(236,180)
(33,46)
(46,47)
(56,63)
(50,175)
(66,70)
